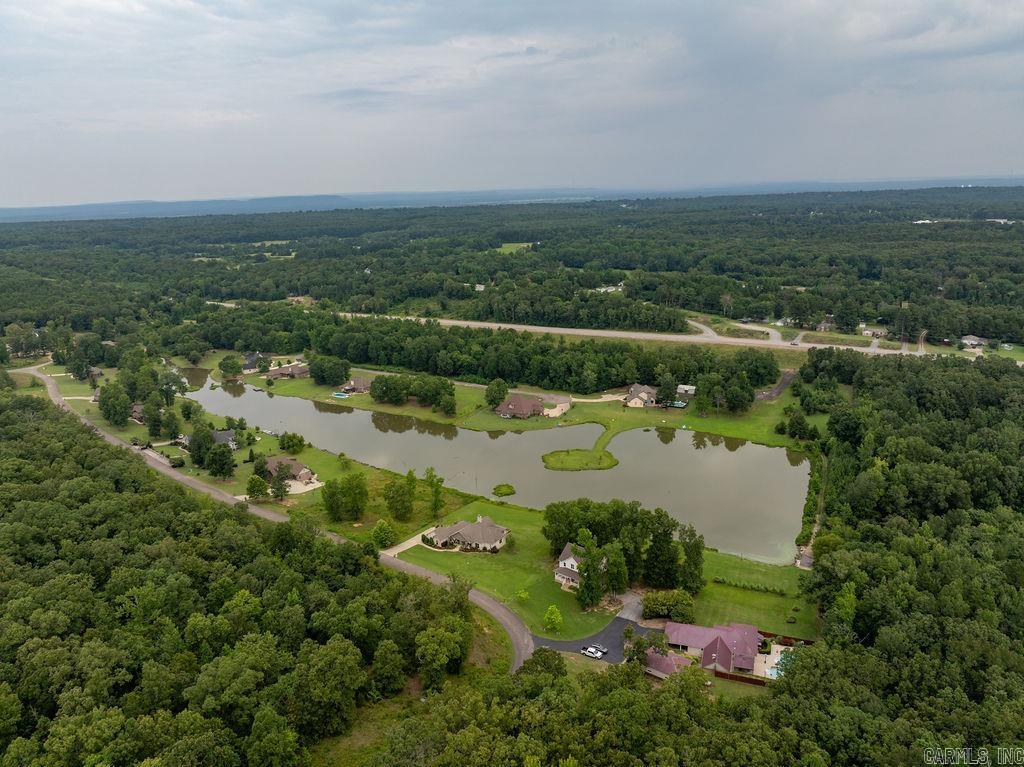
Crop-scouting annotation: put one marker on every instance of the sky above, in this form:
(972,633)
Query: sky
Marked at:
(183,99)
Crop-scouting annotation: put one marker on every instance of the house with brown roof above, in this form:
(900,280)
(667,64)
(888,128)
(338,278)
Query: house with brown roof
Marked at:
(482,535)
(137,413)
(519,406)
(356,385)
(641,395)
(292,469)
(720,648)
(295,370)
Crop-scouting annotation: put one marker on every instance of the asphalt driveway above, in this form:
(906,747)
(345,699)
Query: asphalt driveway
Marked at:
(611,636)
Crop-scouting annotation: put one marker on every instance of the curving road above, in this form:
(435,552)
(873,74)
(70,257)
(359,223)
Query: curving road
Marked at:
(707,335)
(522,641)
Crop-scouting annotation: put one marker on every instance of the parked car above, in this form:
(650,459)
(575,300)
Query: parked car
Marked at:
(794,343)
(592,652)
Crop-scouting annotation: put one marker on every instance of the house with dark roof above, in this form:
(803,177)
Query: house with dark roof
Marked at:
(662,666)
(641,395)
(292,469)
(519,406)
(567,572)
(720,648)
(225,437)
(482,535)
(251,361)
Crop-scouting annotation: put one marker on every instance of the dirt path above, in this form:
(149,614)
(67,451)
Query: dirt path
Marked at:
(784,380)
(522,641)
(707,335)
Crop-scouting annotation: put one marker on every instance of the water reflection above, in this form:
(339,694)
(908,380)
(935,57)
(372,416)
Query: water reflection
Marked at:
(195,377)
(744,498)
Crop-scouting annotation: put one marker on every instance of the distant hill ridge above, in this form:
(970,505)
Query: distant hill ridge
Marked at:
(322,202)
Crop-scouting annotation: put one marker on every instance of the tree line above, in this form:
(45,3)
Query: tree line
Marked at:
(147,625)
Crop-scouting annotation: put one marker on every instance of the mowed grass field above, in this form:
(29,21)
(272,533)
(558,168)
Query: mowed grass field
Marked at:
(526,564)
(719,603)
(529,565)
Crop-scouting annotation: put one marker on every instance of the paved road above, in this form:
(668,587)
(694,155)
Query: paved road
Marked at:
(611,636)
(522,642)
(707,335)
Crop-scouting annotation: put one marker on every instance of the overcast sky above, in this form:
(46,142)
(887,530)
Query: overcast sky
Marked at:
(177,99)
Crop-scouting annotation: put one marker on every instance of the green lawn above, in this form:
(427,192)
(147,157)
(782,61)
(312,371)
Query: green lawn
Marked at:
(468,399)
(718,603)
(527,564)
(836,338)
(579,459)
(326,465)
(727,688)
(514,247)
(731,567)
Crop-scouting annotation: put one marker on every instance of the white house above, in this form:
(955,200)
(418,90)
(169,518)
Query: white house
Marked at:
(568,570)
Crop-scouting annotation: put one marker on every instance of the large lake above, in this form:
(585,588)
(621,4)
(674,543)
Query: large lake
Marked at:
(744,498)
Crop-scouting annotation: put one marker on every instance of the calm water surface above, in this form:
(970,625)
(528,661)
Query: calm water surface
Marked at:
(744,498)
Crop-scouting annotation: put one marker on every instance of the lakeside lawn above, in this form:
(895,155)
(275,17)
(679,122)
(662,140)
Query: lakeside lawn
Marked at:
(468,399)
(756,425)
(526,564)
(326,465)
(529,564)
(719,603)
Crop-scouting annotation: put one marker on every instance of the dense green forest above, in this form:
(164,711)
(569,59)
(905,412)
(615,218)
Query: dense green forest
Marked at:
(920,574)
(144,625)
(858,256)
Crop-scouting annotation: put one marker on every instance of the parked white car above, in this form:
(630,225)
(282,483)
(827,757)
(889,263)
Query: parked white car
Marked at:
(592,652)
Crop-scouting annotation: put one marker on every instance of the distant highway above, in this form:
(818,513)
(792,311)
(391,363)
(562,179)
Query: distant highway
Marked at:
(706,336)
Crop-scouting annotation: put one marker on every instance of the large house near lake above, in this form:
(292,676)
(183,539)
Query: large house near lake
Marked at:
(291,468)
(225,437)
(519,406)
(356,385)
(641,395)
(482,535)
(295,370)
(720,648)
(251,362)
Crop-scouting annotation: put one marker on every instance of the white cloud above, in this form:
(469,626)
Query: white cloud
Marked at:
(266,97)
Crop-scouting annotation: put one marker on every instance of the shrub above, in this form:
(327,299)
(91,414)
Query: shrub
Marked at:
(503,490)
(553,619)
(749,586)
(383,535)
(675,604)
